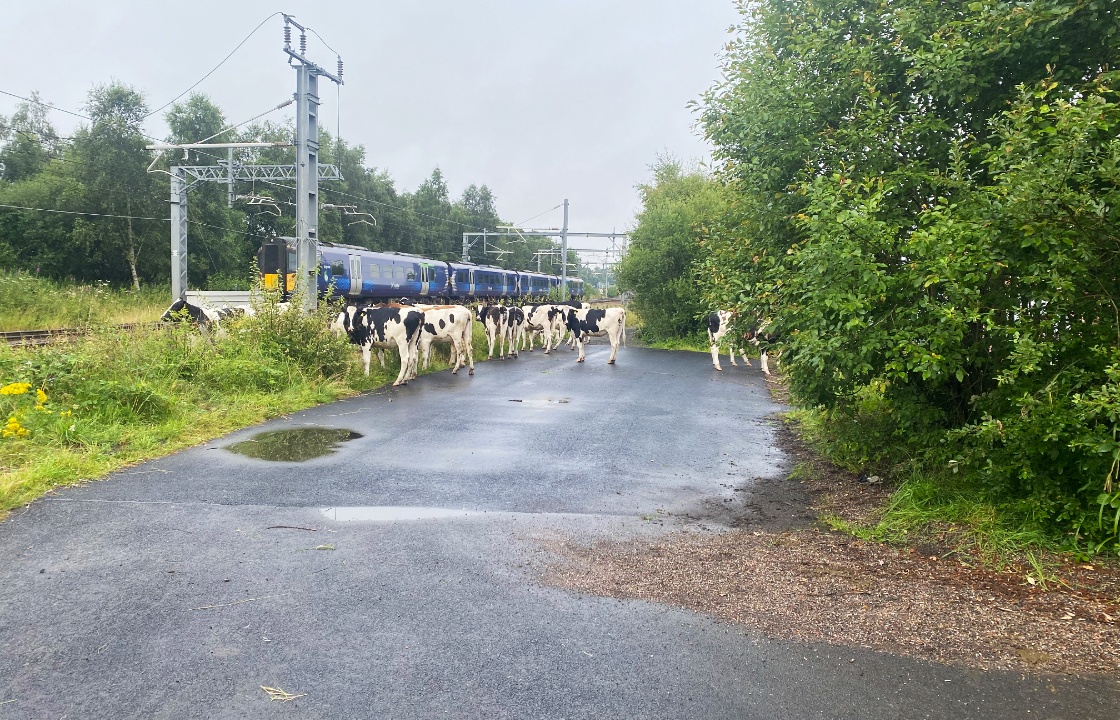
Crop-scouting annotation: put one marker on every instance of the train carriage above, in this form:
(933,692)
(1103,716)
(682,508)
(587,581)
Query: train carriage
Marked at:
(365,276)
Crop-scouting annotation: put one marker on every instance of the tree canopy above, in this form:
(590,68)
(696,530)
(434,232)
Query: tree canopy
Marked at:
(120,233)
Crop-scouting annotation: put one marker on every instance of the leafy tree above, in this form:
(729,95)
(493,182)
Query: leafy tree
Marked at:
(111,166)
(663,247)
(924,199)
(29,140)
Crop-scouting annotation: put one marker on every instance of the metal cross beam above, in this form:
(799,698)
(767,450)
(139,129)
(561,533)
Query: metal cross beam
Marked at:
(471,238)
(220,172)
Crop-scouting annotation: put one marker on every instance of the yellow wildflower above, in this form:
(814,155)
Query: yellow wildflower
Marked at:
(16,388)
(40,396)
(14,429)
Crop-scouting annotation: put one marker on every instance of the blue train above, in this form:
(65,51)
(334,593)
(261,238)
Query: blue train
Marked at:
(368,276)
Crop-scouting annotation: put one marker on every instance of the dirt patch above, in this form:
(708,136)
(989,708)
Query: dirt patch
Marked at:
(789,579)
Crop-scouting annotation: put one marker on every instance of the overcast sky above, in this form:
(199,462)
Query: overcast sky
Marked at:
(539,99)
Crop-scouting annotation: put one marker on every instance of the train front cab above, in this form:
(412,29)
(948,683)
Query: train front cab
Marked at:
(276,262)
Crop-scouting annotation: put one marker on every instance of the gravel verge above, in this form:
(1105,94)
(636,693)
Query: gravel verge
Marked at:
(800,581)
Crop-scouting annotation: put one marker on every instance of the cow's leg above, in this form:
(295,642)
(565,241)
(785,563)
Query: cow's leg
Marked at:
(613,334)
(490,340)
(468,342)
(580,344)
(457,362)
(502,342)
(426,342)
(715,356)
(404,349)
(366,358)
(380,358)
(746,360)
(765,364)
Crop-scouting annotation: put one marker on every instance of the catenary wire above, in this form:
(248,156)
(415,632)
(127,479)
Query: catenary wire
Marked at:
(522,223)
(74,212)
(227,57)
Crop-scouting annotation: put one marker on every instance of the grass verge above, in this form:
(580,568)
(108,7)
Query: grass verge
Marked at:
(79,411)
(939,511)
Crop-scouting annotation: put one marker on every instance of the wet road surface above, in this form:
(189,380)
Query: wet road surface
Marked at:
(394,576)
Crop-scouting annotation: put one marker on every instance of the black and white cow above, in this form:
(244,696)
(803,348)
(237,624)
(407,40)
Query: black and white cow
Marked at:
(206,318)
(515,326)
(545,320)
(564,331)
(450,324)
(607,321)
(719,327)
(384,327)
(493,319)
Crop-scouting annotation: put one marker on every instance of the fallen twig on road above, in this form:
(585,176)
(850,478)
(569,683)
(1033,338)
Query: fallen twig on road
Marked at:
(239,602)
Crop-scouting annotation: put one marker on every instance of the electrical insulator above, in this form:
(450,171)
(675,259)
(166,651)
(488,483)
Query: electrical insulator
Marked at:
(303,43)
(340,68)
(287,35)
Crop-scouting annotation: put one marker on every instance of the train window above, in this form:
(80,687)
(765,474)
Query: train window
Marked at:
(293,263)
(398,272)
(338,268)
(411,275)
(271,258)
(462,276)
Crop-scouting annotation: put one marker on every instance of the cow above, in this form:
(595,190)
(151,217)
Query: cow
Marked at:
(564,331)
(546,320)
(450,324)
(719,327)
(384,327)
(607,321)
(206,318)
(515,325)
(493,319)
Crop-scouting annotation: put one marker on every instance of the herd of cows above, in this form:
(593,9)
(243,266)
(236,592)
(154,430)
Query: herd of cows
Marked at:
(412,329)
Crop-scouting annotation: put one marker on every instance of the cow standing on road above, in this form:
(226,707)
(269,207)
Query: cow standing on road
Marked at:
(719,327)
(515,325)
(493,319)
(607,321)
(389,327)
(547,320)
(449,324)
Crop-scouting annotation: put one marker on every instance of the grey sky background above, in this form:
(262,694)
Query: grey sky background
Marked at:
(539,99)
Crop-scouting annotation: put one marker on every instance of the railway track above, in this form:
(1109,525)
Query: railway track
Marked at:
(34,338)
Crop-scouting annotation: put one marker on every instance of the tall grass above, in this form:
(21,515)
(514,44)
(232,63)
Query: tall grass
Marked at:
(29,302)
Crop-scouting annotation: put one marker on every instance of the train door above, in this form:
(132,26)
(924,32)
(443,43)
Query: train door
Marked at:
(355,275)
(425,278)
(470,285)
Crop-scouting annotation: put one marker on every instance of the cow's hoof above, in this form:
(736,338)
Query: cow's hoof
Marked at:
(471,372)
(610,362)
(717,367)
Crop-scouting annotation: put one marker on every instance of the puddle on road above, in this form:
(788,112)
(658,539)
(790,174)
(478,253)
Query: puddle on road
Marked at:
(389,513)
(295,445)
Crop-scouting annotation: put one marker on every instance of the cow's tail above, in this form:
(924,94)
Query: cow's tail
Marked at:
(623,327)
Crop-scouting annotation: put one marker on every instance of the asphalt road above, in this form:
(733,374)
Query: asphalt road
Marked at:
(167,591)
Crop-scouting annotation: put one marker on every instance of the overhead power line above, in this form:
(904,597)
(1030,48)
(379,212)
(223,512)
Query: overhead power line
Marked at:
(86,117)
(74,212)
(284,104)
(46,105)
(227,57)
(522,223)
